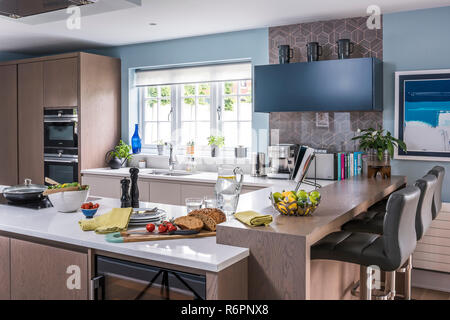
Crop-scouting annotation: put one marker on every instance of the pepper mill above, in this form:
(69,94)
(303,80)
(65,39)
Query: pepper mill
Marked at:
(125,198)
(134,172)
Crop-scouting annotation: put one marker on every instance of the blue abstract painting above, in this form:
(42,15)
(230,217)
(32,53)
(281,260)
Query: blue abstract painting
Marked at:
(426,116)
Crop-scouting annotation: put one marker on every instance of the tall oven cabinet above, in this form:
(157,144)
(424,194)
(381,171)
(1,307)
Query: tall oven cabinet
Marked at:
(81,81)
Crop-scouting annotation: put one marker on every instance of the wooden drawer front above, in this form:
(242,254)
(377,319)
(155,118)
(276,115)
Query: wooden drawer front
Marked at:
(196,191)
(433,257)
(164,192)
(41,272)
(443,215)
(61,83)
(5,282)
(103,186)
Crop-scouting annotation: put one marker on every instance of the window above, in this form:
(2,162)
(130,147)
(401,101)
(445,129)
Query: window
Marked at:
(182,113)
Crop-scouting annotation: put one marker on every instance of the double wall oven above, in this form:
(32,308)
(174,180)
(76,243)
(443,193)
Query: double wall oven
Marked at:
(61,144)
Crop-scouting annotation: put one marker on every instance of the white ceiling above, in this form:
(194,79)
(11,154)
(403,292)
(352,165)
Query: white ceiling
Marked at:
(184,18)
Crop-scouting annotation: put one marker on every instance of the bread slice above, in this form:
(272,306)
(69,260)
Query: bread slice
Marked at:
(189,223)
(216,214)
(209,222)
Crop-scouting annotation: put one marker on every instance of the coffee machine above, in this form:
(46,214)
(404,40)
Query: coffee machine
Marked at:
(282,160)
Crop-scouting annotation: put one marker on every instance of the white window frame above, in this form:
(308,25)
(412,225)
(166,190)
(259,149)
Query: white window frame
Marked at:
(216,98)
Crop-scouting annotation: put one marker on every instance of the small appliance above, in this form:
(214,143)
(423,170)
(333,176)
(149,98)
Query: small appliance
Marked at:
(281,160)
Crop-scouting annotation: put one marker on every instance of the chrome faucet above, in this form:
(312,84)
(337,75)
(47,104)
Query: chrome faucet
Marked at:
(172,161)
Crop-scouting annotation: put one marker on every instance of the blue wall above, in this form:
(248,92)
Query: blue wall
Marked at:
(250,44)
(414,40)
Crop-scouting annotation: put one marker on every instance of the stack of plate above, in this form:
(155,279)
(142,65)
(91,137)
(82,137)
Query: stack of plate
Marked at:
(139,219)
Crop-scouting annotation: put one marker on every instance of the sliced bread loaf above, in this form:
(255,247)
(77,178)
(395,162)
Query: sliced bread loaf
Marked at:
(209,222)
(189,223)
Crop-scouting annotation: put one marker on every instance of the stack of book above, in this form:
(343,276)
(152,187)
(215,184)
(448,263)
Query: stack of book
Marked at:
(348,164)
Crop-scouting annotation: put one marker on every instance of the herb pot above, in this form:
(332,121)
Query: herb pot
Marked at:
(214,151)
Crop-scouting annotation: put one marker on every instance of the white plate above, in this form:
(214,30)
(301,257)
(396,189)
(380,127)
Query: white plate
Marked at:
(146,216)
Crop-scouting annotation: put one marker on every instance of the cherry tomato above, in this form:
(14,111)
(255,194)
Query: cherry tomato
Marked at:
(171,228)
(96,206)
(150,227)
(162,228)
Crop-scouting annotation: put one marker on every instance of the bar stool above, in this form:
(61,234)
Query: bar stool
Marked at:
(439,172)
(427,186)
(389,251)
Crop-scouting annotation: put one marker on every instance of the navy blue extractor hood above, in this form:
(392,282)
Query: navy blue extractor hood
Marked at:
(330,85)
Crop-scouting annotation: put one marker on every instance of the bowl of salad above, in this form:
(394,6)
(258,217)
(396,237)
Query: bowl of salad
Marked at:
(67,197)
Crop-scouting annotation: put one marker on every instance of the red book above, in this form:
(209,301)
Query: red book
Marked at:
(342,166)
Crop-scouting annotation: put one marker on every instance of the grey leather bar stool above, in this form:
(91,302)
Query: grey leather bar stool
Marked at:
(439,172)
(427,186)
(389,251)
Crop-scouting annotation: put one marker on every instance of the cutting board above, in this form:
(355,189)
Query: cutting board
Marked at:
(143,235)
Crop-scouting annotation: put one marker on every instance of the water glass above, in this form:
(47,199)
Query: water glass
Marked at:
(210,202)
(193,204)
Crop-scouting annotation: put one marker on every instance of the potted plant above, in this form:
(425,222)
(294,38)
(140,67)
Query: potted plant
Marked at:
(215,142)
(122,152)
(379,148)
(160,146)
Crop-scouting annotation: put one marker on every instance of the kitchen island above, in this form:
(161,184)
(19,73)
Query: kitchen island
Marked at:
(37,247)
(280,253)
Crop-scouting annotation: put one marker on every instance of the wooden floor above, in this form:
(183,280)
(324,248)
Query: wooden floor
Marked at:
(427,294)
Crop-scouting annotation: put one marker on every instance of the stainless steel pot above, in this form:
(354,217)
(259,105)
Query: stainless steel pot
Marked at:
(26,192)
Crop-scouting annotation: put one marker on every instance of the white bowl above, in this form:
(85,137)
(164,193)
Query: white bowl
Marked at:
(68,201)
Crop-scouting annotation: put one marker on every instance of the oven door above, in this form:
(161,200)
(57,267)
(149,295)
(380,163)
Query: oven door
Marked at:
(61,170)
(61,133)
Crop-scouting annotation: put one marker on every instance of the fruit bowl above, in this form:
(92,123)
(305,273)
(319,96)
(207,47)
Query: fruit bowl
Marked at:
(68,201)
(291,203)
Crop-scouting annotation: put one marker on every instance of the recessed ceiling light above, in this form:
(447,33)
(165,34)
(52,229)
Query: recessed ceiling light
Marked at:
(152,24)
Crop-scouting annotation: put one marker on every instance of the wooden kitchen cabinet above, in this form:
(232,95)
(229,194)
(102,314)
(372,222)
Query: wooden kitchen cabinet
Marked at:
(8,125)
(42,272)
(61,83)
(165,192)
(5,281)
(196,191)
(110,187)
(31,122)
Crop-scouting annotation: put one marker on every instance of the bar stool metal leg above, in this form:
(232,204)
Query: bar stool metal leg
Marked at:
(408,271)
(365,278)
(390,286)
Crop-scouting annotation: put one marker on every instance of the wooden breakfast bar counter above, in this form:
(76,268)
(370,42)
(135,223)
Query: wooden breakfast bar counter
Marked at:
(279,263)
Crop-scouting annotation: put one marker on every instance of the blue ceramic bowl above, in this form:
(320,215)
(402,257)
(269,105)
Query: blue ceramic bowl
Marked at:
(89,213)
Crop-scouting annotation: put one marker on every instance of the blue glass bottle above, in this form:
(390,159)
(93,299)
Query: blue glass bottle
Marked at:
(136,140)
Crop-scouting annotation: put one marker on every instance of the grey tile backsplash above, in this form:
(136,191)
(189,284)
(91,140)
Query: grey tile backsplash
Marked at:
(332,131)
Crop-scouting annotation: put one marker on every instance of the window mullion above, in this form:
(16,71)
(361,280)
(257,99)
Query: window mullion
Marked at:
(176,114)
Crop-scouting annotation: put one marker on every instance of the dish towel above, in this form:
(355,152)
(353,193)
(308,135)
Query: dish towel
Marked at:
(253,218)
(114,221)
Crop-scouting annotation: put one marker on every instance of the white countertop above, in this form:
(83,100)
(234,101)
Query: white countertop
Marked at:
(201,177)
(202,253)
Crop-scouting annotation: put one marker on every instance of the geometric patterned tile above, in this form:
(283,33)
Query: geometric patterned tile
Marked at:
(300,127)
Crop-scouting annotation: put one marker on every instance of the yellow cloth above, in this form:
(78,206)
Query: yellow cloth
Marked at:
(253,218)
(114,221)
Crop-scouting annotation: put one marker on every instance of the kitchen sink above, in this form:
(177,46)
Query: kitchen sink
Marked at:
(175,173)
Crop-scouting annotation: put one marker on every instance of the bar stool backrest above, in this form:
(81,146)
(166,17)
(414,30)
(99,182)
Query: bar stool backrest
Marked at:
(399,229)
(424,216)
(439,172)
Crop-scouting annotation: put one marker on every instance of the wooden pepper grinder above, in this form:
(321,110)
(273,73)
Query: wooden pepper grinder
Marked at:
(125,199)
(134,172)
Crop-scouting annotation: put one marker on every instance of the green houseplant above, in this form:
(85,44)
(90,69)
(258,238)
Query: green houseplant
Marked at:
(160,147)
(215,142)
(375,142)
(122,151)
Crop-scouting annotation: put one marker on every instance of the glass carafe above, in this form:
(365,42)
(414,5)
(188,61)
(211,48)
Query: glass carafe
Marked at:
(228,188)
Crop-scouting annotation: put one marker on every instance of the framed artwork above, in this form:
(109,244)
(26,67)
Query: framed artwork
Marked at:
(422,114)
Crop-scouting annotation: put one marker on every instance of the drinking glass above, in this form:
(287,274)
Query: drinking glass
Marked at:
(193,204)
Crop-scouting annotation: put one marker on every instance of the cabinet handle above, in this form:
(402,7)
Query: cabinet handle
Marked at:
(96,284)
